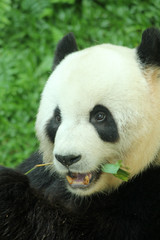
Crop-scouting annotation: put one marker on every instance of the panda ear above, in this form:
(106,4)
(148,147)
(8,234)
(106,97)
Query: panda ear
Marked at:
(65,46)
(149,49)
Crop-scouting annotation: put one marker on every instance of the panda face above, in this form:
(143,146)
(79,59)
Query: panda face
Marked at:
(97,107)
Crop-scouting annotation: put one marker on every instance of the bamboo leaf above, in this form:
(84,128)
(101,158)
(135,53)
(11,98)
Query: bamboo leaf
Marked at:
(116,170)
(111,168)
(122,174)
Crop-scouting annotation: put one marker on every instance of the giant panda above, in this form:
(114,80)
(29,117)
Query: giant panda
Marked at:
(100,105)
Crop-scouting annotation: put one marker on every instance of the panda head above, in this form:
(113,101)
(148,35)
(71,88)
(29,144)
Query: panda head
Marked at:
(101,105)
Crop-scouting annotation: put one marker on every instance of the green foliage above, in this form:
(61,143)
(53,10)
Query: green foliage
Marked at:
(29,31)
(4,9)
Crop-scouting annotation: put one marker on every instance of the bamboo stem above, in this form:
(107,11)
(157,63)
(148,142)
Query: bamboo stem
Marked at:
(38,165)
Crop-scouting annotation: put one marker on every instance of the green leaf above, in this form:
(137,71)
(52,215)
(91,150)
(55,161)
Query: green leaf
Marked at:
(122,174)
(111,168)
(116,170)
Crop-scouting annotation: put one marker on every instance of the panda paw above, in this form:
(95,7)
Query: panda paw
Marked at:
(12,184)
(16,201)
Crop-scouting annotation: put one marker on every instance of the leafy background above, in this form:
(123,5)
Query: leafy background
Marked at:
(29,32)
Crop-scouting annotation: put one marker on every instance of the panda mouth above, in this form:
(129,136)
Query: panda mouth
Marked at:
(81,180)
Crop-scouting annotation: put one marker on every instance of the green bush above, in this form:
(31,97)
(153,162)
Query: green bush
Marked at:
(29,31)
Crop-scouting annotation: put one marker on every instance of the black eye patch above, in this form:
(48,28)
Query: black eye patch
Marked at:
(104,123)
(53,124)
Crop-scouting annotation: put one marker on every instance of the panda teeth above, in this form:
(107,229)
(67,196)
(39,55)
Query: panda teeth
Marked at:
(86,180)
(69,179)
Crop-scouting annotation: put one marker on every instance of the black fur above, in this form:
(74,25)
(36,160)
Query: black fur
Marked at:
(149,49)
(65,46)
(31,210)
(106,129)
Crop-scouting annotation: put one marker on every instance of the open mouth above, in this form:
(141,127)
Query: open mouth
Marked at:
(82,180)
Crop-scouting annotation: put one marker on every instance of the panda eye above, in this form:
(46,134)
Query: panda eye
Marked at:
(104,123)
(100,116)
(53,124)
(58,118)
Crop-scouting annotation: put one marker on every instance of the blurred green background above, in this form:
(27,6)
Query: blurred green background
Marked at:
(29,31)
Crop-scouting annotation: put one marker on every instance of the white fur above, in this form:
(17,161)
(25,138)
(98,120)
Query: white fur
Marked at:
(111,76)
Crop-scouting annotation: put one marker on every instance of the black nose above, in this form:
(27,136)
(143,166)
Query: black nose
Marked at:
(67,160)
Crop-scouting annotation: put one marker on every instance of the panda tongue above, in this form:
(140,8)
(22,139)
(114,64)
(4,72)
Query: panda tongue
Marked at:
(79,178)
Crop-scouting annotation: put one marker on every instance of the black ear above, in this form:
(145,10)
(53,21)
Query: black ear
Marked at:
(65,46)
(149,49)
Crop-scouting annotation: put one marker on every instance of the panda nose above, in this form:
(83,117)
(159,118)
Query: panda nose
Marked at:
(68,160)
